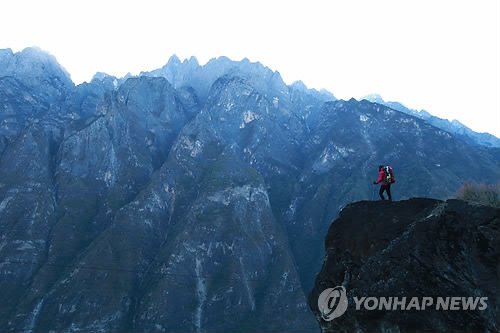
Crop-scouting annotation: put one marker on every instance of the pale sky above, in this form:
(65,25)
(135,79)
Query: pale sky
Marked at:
(441,55)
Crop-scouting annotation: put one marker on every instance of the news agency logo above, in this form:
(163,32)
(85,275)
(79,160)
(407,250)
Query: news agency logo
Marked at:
(332,303)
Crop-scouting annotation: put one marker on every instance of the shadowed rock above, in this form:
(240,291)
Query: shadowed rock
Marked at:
(414,248)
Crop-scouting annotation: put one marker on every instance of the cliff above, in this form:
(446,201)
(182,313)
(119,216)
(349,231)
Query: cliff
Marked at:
(425,250)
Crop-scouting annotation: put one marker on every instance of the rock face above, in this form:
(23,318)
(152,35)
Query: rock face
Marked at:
(190,198)
(413,248)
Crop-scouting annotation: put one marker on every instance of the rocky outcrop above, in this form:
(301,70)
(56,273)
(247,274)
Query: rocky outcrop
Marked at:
(415,249)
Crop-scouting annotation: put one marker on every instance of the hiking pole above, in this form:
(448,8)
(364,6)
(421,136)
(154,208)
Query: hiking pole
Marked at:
(373,192)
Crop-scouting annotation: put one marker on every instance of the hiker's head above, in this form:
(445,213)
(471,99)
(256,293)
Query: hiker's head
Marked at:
(380,167)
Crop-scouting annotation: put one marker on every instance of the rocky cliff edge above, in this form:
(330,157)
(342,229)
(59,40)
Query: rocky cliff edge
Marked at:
(422,265)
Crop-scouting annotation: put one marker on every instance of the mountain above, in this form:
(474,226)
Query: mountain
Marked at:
(201,78)
(191,198)
(454,127)
(418,249)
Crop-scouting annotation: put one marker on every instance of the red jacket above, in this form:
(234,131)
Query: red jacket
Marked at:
(381,177)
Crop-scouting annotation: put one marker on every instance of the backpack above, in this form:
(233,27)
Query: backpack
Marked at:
(389,175)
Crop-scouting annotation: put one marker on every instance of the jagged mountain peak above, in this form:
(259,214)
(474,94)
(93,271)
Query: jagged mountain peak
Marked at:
(35,56)
(375,98)
(100,76)
(326,93)
(244,66)
(192,60)
(322,95)
(30,61)
(457,124)
(36,52)
(219,59)
(38,70)
(4,52)
(189,73)
(174,65)
(299,85)
(174,60)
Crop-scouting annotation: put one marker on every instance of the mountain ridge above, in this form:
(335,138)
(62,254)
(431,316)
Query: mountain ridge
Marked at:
(455,127)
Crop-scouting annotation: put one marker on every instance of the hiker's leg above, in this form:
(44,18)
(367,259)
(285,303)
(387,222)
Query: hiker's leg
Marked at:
(388,190)
(381,192)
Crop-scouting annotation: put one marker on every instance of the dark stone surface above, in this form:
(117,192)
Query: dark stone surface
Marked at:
(413,248)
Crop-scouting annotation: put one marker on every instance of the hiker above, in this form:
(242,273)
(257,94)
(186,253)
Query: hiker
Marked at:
(386,178)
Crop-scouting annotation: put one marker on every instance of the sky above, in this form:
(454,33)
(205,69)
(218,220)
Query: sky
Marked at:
(442,56)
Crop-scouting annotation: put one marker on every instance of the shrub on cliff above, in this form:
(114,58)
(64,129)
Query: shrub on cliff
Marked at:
(480,193)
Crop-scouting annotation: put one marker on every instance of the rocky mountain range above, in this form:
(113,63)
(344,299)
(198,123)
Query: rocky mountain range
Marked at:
(190,198)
